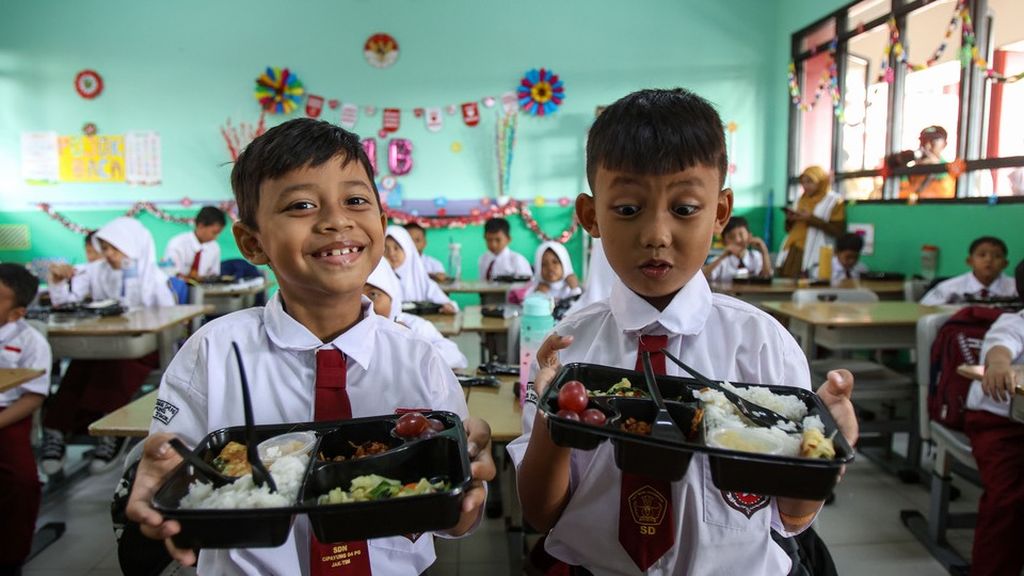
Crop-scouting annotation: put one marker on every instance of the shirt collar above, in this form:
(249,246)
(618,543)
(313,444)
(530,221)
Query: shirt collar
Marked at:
(286,332)
(686,313)
(8,331)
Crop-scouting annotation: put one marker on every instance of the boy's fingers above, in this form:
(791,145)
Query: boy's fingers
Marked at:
(548,353)
(185,557)
(475,498)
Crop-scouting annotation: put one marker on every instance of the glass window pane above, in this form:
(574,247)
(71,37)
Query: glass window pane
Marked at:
(819,35)
(1005,102)
(868,188)
(865,102)
(1001,182)
(815,138)
(866,11)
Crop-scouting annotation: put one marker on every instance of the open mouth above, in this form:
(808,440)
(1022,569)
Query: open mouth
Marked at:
(655,268)
(340,255)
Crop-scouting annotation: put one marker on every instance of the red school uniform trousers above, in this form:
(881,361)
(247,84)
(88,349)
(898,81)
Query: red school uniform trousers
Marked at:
(20,492)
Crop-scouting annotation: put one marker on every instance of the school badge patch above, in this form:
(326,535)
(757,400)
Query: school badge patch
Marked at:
(647,506)
(164,411)
(746,504)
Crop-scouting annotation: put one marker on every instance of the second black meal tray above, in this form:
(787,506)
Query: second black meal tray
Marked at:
(407,460)
(732,470)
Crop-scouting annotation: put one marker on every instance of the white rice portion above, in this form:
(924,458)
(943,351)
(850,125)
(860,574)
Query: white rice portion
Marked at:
(287,472)
(719,412)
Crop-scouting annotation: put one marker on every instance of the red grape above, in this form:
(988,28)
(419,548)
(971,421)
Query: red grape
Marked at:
(428,433)
(593,416)
(411,425)
(573,396)
(568,415)
(436,424)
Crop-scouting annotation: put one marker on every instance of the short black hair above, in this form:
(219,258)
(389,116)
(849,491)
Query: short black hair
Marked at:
(497,225)
(932,133)
(414,226)
(850,241)
(734,223)
(89,237)
(211,216)
(295,144)
(988,240)
(657,132)
(23,283)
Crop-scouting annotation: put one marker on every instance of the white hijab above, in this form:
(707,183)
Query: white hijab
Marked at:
(130,237)
(417,286)
(600,277)
(558,288)
(383,278)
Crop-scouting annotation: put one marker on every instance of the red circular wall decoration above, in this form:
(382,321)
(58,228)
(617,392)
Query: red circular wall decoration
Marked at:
(88,84)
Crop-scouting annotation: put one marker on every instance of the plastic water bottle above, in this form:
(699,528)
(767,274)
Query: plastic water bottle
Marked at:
(455,260)
(132,291)
(929,261)
(534,326)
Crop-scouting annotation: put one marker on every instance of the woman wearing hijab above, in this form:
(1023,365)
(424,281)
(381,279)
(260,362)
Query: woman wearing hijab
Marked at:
(92,388)
(383,289)
(553,274)
(818,218)
(401,253)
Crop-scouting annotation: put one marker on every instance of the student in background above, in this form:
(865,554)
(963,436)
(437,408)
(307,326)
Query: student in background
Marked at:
(383,289)
(846,264)
(743,251)
(92,388)
(656,164)
(79,276)
(22,347)
(553,274)
(987,260)
(196,254)
(400,252)
(309,209)
(419,237)
(500,260)
(598,283)
(818,218)
(932,141)
(997,444)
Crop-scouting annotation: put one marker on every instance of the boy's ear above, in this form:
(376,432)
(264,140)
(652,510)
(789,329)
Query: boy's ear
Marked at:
(249,245)
(383,222)
(17,313)
(586,213)
(723,210)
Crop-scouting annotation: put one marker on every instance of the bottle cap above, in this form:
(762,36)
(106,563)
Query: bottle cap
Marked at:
(537,305)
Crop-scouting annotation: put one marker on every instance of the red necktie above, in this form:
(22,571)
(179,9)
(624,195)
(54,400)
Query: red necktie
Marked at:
(332,403)
(490,268)
(984,292)
(848,275)
(646,524)
(193,272)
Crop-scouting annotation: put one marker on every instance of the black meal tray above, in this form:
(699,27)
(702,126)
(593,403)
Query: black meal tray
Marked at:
(758,280)
(421,308)
(510,279)
(731,470)
(883,276)
(269,527)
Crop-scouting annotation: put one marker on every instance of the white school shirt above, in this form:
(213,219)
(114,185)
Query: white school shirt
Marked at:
(22,346)
(387,368)
(433,265)
(839,273)
(93,276)
(722,337)
(954,289)
(448,350)
(1006,331)
(726,271)
(506,263)
(182,251)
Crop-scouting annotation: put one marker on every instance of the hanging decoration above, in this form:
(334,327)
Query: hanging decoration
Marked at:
(392,120)
(504,145)
(399,156)
(434,119)
(471,114)
(238,137)
(969,51)
(509,102)
(381,50)
(730,130)
(456,147)
(540,92)
(89,129)
(370,147)
(478,217)
(956,167)
(314,105)
(829,83)
(349,115)
(278,91)
(88,84)
(333,103)
(228,206)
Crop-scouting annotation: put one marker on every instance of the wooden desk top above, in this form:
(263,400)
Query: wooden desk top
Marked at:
(474,321)
(446,324)
(853,314)
(229,290)
(144,320)
(784,286)
(14,377)
(478,287)
(972,371)
(132,419)
(499,407)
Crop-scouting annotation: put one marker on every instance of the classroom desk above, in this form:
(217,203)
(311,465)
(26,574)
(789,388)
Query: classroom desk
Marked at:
(972,371)
(496,334)
(14,377)
(852,325)
(130,335)
(474,321)
(131,420)
(227,298)
(446,324)
(490,292)
(783,288)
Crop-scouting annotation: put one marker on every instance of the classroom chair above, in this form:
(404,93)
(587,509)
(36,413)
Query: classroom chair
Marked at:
(180,289)
(952,453)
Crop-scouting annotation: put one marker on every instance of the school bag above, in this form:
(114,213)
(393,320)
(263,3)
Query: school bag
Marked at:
(958,342)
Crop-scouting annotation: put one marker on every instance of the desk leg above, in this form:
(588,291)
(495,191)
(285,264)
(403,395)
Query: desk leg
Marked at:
(167,341)
(506,481)
(805,333)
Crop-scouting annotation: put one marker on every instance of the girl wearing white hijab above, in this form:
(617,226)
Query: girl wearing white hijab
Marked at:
(600,277)
(123,238)
(553,274)
(92,388)
(383,289)
(400,252)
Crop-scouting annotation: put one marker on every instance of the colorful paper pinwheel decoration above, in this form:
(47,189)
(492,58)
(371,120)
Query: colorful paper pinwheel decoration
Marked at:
(540,92)
(279,91)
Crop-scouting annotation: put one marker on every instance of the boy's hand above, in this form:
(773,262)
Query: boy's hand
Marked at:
(757,243)
(60,273)
(999,381)
(547,359)
(447,309)
(734,249)
(573,281)
(835,393)
(482,469)
(158,460)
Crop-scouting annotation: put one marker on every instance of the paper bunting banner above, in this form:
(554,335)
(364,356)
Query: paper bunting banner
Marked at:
(349,115)
(278,91)
(392,119)
(435,120)
(314,105)
(471,113)
(509,102)
(333,104)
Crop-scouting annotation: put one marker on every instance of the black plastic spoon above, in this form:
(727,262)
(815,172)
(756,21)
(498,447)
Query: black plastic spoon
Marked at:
(663,427)
(260,475)
(209,472)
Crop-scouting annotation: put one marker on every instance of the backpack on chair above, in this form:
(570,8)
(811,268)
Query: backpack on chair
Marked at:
(958,342)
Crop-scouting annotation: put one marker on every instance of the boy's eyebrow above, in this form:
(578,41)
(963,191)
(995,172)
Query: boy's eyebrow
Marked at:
(626,181)
(298,187)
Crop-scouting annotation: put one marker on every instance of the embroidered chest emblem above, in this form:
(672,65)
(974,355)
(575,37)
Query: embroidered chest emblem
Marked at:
(647,506)
(746,503)
(164,411)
